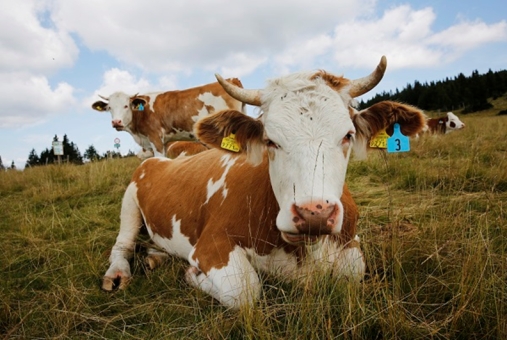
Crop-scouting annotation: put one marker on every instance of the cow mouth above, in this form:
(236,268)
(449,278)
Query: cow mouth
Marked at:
(299,238)
(118,127)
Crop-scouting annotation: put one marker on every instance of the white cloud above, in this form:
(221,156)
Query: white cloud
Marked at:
(27,45)
(28,99)
(406,37)
(170,36)
(116,80)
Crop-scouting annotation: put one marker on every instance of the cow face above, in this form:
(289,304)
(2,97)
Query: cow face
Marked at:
(453,123)
(119,105)
(308,131)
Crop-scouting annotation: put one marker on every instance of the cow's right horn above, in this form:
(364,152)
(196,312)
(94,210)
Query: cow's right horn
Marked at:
(365,84)
(105,98)
(252,97)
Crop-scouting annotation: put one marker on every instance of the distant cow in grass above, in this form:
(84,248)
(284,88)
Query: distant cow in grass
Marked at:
(154,119)
(445,124)
(279,205)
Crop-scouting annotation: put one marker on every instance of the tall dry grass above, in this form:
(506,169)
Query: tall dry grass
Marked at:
(433,230)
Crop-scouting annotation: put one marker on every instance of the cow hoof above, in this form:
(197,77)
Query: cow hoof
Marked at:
(191,274)
(154,261)
(110,283)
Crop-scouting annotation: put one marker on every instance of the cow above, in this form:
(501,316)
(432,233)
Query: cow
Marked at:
(154,119)
(446,124)
(269,196)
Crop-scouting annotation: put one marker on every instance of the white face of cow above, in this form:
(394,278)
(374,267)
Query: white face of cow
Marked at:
(308,131)
(454,123)
(118,104)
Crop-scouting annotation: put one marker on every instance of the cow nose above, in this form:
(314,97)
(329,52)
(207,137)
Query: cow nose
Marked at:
(316,218)
(116,122)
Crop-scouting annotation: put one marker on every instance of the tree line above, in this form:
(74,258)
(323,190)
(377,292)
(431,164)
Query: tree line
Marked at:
(71,154)
(469,94)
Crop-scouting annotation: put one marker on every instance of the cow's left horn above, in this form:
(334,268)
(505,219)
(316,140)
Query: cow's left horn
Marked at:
(105,98)
(252,97)
(362,85)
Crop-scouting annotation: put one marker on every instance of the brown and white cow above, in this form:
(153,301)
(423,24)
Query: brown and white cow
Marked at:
(155,119)
(446,124)
(232,214)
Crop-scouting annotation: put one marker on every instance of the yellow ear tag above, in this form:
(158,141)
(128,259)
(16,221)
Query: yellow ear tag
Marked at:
(380,140)
(229,143)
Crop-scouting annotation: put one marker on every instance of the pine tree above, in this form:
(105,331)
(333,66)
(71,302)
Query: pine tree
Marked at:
(13,166)
(71,151)
(2,167)
(33,159)
(91,154)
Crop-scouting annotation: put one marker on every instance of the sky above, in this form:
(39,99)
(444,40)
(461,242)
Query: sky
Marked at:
(57,56)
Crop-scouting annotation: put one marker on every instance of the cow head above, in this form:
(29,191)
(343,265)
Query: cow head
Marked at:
(453,123)
(120,106)
(308,129)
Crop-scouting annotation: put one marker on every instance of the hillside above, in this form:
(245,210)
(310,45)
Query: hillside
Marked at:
(433,229)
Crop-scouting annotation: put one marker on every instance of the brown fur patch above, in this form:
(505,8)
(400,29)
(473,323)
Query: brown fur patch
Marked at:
(383,115)
(211,129)
(335,82)
(437,125)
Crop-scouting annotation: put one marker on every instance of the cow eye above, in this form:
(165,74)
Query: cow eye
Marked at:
(125,106)
(349,137)
(271,144)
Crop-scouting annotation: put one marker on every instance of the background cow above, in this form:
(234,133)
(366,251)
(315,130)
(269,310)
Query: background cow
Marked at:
(155,119)
(445,124)
(230,214)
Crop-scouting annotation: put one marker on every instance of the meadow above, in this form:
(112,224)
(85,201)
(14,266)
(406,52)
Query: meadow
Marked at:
(433,229)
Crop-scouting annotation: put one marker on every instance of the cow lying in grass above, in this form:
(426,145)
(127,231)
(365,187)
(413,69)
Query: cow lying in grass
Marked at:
(232,214)
(446,124)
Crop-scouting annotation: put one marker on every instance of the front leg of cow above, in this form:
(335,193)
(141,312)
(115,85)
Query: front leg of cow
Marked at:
(235,284)
(347,259)
(118,275)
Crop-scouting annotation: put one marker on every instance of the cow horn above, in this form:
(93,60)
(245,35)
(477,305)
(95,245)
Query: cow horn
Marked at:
(105,98)
(362,85)
(251,97)
(132,97)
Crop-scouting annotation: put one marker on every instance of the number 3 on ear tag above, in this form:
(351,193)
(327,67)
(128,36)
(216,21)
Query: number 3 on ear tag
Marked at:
(398,142)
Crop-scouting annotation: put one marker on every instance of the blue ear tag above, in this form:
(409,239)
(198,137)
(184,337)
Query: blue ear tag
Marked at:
(140,107)
(398,142)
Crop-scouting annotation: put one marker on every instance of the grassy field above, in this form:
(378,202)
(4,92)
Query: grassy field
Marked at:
(433,228)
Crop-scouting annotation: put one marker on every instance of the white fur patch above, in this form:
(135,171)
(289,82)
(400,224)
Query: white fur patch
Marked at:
(178,245)
(218,103)
(213,187)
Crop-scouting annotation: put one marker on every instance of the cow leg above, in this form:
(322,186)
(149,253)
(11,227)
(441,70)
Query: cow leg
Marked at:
(155,258)
(349,261)
(118,273)
(235,284)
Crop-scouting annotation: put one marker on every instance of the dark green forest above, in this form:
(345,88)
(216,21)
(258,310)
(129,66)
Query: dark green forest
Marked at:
(467,94)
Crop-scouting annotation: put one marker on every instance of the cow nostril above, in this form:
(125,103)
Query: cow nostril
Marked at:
(319,206)
(295,219)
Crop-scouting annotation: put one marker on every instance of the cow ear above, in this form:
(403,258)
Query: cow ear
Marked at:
(137,103)
(382,116)
(99,106)
(247,132)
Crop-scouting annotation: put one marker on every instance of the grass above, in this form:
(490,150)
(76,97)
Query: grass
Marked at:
(433,229)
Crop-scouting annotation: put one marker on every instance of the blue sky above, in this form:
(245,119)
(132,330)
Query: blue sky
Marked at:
(58,55)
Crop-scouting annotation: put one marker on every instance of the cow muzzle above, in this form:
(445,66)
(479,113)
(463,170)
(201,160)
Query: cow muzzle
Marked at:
(117,124)
(313,220)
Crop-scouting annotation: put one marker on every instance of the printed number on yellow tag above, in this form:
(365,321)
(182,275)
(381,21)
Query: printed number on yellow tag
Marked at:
(229,143)
(380,140)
